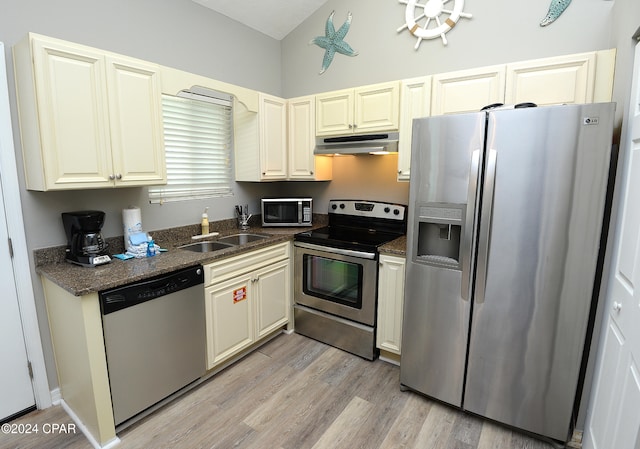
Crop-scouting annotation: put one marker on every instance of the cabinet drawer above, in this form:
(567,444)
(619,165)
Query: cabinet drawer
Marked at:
(236,265)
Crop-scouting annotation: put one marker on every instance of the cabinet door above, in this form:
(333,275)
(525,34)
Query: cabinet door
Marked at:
(377,108)
(273,137)
(390,303)
(273,297)
(558,80)
(302,124)
(334,113)
(415,102)
(73,115)
(467,90)
(135,112)
(229,318)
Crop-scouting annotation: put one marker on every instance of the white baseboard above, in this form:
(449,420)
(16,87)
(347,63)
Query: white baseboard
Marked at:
(110,444)
(56,397)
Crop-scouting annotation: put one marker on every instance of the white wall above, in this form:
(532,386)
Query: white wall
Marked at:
(499,32)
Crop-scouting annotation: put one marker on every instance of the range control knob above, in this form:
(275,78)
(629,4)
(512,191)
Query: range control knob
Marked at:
(334,206)
(342,206)
(396,211)
(387,210)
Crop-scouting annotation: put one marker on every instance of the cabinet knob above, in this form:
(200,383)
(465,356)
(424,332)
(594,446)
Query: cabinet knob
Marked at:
(112,177)
(355,126)
(617,306)
(350,126)
(311,172)
(118,176)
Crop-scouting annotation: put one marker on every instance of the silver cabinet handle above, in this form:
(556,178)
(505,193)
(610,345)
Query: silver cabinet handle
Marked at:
(118,176)
(112,177)
(467,243)
(617,307)
(485,226)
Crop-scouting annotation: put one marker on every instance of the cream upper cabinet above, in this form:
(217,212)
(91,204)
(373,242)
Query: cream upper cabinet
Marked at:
(135,118)
(303,165)
(88,118)
(561,80)
(415,102)
(390,303)
(273,137)
(364,109)
(467,90)
(334,113)
(260,140)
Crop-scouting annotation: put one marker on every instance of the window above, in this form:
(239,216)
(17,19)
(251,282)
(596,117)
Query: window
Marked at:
(198,132)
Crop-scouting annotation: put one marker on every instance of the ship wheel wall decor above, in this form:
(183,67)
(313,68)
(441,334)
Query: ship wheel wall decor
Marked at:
(430,11)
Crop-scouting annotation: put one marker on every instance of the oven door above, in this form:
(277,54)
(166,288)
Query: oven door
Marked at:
(336,281)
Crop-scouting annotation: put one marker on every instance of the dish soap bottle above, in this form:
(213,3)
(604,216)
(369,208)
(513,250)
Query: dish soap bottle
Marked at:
(151,247)
(205,222)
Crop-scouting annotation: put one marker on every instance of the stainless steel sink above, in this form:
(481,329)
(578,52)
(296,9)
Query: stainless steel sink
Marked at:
(205,247)
(241,239)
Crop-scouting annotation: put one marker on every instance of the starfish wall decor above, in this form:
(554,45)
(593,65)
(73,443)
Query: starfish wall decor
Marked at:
(333,41)
(556,7)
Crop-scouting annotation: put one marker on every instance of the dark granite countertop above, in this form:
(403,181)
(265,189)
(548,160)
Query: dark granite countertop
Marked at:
(397,247)
(84,280)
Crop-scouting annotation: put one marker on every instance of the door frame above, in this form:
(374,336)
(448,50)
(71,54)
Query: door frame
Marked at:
(15,228)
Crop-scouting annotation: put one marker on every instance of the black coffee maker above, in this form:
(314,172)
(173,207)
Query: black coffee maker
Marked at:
(85,245)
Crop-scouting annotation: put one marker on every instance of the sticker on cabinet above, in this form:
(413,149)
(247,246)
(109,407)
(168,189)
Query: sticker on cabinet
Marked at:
(239,294)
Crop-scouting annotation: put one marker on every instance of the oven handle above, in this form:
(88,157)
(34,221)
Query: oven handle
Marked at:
(330,249)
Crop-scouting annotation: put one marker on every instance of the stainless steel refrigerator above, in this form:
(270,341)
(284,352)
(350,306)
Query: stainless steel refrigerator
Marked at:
(505,216)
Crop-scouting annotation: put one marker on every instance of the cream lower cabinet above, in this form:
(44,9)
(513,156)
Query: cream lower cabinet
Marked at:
(390,303)
(365,109)
(88,118)
(247,297)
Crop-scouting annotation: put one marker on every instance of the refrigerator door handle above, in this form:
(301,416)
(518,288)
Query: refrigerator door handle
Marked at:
(485,225)
(467,243)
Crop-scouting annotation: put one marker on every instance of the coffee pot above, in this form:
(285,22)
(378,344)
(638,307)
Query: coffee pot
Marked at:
(85,245)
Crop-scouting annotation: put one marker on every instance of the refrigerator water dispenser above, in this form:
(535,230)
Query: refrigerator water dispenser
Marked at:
(439,230)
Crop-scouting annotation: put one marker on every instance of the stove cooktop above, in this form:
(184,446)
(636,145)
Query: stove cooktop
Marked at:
(358,224)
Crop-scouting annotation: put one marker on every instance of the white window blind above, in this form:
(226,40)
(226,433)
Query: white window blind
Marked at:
(198,134)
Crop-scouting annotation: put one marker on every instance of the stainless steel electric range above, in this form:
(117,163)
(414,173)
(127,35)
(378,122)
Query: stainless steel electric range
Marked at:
(336,273)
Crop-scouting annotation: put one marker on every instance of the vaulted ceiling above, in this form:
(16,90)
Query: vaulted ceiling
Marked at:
(275,18)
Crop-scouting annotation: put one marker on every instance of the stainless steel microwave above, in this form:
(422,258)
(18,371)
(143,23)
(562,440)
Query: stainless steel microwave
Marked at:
(287,211)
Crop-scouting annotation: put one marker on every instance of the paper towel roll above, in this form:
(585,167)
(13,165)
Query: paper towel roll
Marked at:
(132,222)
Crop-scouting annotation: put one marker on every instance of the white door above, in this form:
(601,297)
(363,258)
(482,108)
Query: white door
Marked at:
(614,411)
(16,392)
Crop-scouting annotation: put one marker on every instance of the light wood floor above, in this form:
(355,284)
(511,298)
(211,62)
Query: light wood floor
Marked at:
(296,393)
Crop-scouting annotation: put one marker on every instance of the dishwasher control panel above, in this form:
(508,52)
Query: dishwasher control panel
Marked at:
(138,292)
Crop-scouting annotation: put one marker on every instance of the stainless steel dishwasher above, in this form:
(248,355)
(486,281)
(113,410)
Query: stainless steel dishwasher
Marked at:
(154,334)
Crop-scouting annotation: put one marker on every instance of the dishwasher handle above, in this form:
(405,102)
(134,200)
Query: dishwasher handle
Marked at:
(135,293)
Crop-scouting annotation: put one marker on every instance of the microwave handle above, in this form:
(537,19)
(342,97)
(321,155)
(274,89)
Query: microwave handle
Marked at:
(299,212)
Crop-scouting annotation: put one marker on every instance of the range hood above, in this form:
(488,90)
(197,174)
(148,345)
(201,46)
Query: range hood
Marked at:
(381,143)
